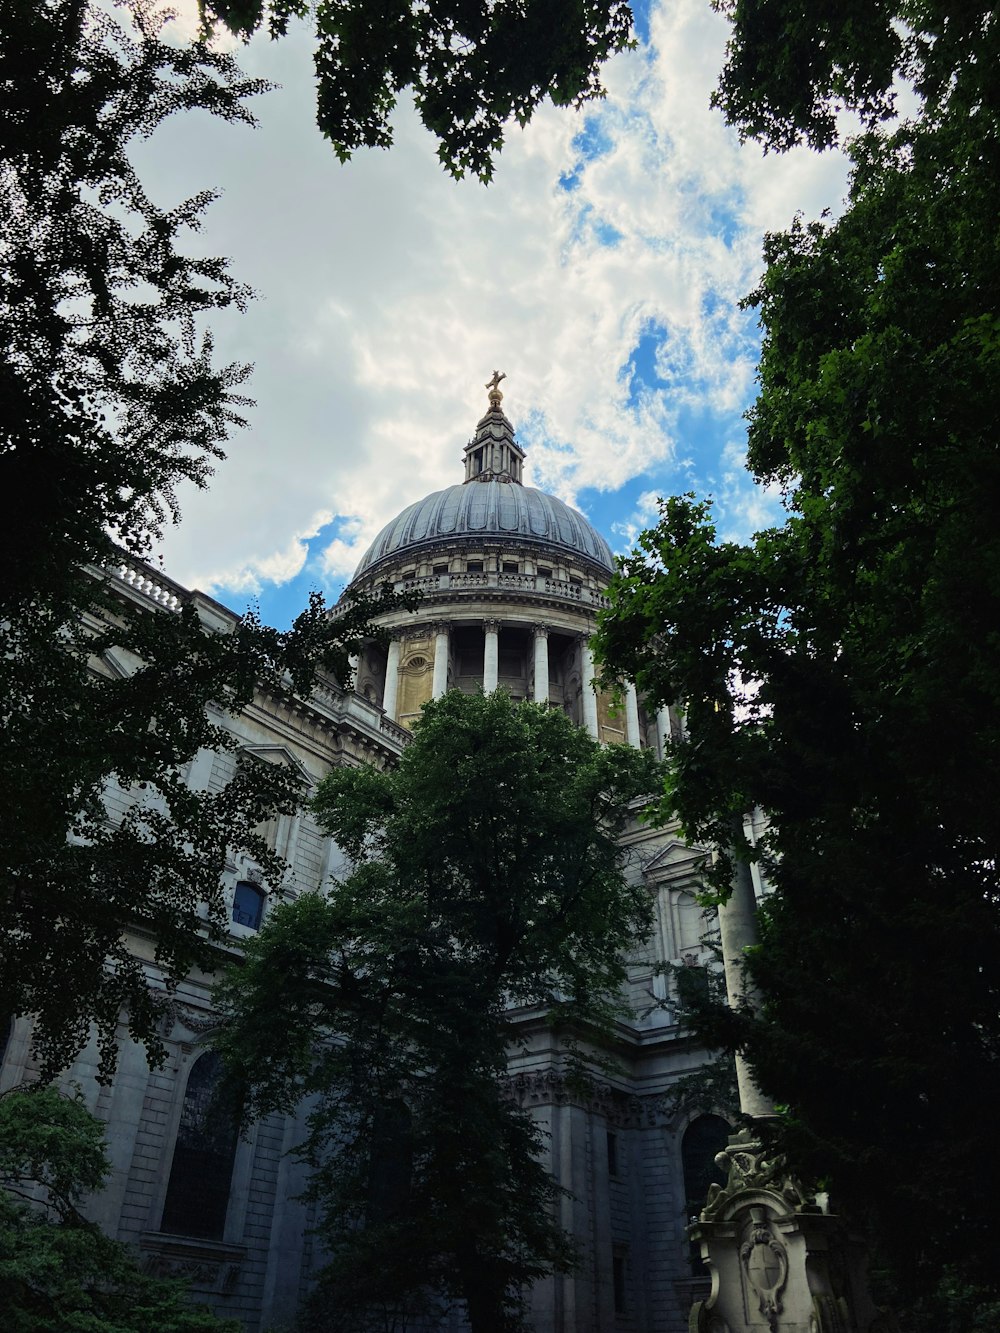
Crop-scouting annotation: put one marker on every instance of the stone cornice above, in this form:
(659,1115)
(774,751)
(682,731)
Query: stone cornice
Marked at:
(553,1087)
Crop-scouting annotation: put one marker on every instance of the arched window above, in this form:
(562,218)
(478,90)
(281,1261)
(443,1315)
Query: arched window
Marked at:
(202,1166)
(703,1139)
(248,904)
(390,1164)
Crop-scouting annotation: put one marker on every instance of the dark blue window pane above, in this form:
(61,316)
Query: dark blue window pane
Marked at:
(248,905)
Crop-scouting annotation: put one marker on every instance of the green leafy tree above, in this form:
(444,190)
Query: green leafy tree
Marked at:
(58,1272)
(109,399)
(487,878)
(841,672)
(472,67)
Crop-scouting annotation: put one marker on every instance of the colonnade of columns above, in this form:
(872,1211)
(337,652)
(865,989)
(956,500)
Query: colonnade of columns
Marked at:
(541,686)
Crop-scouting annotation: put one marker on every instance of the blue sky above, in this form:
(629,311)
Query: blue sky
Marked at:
(601,270)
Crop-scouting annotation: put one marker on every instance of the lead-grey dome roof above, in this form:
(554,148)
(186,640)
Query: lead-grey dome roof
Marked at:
(493,510)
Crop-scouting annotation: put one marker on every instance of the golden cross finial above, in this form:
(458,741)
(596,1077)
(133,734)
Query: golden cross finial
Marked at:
(494,383)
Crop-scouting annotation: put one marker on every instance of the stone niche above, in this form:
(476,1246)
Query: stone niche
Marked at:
(416,677)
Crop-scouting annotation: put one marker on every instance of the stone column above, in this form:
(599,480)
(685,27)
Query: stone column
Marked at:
(440,684)
(589,697)
(662,731)
(632,716)
(391,691)
(491,656)
(541,664)
(738,932)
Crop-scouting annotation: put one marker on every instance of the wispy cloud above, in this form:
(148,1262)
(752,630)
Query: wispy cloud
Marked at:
(601,270)
(644,515)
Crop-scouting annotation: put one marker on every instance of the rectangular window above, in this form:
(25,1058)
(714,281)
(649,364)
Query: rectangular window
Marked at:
(474,566)
(612,1154)
(248,904)
(545,573)
(440,569)
(618,1280)
(510,566)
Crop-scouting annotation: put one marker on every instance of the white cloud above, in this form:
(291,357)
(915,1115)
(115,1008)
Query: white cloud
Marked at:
(644,515)
(277,566)
(340,557)
(743,506)
(389,292)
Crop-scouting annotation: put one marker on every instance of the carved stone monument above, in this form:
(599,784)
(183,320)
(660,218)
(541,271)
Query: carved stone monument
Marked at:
(777,1260)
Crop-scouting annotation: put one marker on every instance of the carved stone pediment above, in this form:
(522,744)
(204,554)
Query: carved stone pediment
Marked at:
(175,1013)
(675,861)
(279,754)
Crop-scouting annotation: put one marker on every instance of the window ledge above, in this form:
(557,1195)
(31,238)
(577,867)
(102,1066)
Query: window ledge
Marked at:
(208,1265)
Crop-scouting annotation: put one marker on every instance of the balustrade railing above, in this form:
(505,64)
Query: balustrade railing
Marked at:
(394,731)
(468,580)
(567,589)
(424,583)
(140,578)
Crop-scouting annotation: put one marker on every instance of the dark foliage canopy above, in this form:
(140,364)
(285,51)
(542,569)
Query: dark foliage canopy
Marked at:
(472,67)
(791,67)
(841,672)
(57,1270)
(108,399)
(487,881)
(109,395)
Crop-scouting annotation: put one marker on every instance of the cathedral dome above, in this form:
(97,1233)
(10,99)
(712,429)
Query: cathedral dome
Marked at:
(487,511)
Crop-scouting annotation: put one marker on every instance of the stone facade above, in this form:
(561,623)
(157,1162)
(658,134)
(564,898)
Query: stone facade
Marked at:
(509,596)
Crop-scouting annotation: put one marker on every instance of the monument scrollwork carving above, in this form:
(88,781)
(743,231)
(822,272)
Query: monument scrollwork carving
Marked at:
(764,1261)
(749,1166)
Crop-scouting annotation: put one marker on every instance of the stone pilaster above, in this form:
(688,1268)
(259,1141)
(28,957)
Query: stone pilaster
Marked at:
(738,933)
(662,731)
